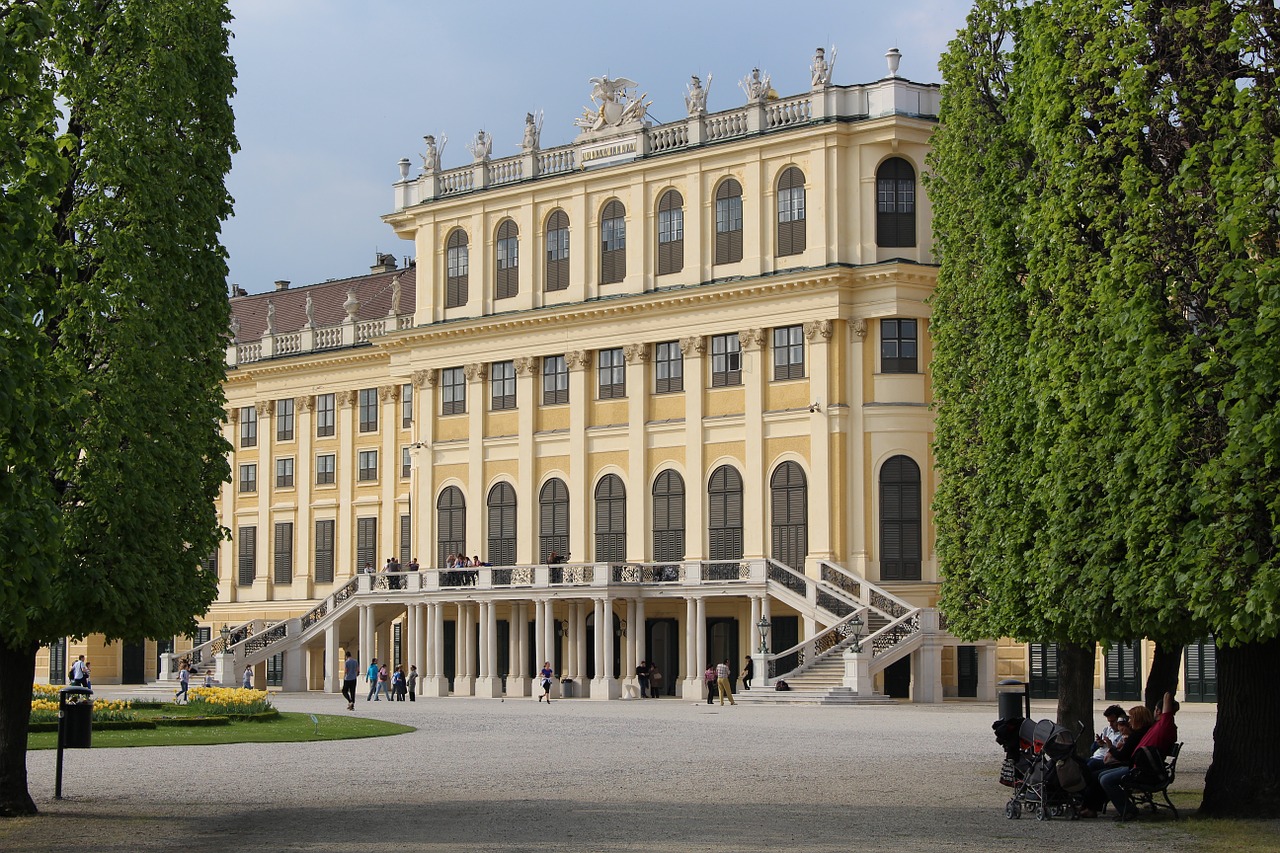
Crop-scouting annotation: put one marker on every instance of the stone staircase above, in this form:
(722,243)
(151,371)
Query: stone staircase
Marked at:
(820,684)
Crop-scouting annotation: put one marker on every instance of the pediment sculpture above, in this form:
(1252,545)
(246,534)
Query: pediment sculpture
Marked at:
(616,104)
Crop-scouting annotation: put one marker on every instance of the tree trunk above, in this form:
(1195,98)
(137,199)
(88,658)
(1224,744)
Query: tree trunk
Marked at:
(1075,692)
(17,674)
(1244,777)
(1166,665)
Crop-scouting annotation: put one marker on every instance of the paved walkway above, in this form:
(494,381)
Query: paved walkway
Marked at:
(669,774)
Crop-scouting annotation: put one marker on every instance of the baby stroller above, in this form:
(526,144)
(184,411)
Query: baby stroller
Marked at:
(1042,768)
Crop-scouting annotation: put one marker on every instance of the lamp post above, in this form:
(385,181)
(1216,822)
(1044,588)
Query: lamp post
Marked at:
(763,627)
(855,627)
(226,639)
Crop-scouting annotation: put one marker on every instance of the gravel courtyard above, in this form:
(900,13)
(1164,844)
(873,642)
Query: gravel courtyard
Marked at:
(669,774)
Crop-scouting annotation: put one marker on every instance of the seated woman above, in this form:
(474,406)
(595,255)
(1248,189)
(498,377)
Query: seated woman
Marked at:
(1118,758)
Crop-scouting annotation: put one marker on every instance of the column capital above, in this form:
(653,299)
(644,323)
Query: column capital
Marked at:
(576,360)
(424,378)
(305,404)
(817,329)
(526,365)
(636,353)
(346,399)
(858,328)
(693,345)
(476,371)
(266,408)
(233,415)
(751,339)
(388,393)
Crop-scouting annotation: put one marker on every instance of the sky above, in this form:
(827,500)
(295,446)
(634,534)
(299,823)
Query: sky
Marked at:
(332,93)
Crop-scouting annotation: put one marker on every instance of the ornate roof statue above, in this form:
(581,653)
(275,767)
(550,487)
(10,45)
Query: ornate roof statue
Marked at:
(695,99)
(532,132)
(271,317)
(756,87)
(481,147)
(821,69)
(431,159)
(311,313)
(616,104)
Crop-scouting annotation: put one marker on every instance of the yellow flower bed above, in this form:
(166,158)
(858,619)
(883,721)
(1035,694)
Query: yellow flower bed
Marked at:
(44,707)
(230,700)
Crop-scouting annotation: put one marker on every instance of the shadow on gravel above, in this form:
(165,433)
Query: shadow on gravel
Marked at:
(356,823)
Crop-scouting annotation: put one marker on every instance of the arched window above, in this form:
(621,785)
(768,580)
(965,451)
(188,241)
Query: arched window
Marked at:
(791,214)
(728,222)
(502,525)
(670,233)
(895,204)
(613,243)
(668,517)
(507,261)
(789,510)
(451,524)
(900,515)
(724,507)
(457,265)
(611,520)
(557,273)
(553,512)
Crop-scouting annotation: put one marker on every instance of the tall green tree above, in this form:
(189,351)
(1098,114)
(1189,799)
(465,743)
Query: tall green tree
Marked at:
(1145,241)
(116,134)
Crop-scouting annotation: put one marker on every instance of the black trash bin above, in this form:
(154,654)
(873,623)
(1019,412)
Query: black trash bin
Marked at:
(1011,699)
(75,717)
(566,688)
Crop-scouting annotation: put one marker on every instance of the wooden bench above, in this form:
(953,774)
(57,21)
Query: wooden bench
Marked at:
(1143,788)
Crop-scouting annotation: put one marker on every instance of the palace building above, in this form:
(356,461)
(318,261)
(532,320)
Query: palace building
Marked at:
(666,386)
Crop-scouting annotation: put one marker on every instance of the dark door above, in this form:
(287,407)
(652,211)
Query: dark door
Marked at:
(133,663)
(1202,671)
(450,651)
(58,662)
(275,670)
(722,645)
(662,642)
(967,671)
(1044,671)
(897,679)
(1124,679)
(504,651)
(784,634)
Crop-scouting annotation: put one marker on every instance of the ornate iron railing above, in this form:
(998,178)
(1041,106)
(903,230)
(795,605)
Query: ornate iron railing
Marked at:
(345,591)
(315,614)
(894,633)
(891,606)
(260,641)
(841,579)
(792,580)
(726,571)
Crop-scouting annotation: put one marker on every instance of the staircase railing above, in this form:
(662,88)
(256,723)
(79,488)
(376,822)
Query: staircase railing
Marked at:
(804,654)
(204,652)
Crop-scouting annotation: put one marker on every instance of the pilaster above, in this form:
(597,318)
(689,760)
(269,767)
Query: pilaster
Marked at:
(755,466)
(579,476)
(695,384)
(818,334)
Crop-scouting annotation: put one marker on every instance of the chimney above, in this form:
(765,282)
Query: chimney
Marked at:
(282,284)
(386,263)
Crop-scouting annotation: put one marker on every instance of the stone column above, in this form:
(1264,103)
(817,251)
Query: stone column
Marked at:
(630,689)
(438,683)
(464,673)
(700,637)
(580,647)
(755,477)
(638,630)
(420,650)
(692,675)
(754,632)
(539,634)
(332,682)
(489,685)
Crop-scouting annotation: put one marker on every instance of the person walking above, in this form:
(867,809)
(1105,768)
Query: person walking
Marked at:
(371,676)
(655,681)
(710,678)
(642,678)
(78,672)
(748,672)
(384,682)
(350,675)
(247,681)
(722,681)
(398,690)
(413,683)
(184,682)
(546,674)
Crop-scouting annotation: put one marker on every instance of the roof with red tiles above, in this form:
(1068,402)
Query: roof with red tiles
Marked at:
(373,292)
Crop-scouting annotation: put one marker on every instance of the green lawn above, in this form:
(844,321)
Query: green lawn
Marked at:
(289,728)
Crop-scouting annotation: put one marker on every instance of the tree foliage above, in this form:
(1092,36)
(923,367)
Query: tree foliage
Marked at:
(116,134)
(1106,369)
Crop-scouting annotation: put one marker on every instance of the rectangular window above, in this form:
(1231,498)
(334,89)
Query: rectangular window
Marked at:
(788,352)
(284,552)
(502,385)
(406,462)
(898,346)
(368,409)
(508,253)
(249,478)
(726,361)
(557,259)
(326,465)
(248,549)
(668,368)
(406,541)
(791,204)
(671,225)
(366,542)
(284,420)
(406,406)
(614,234)
(284,473)
(325,408)
(324,551)
(611,368)
(248,426)
(368,465)
(729,214)
(453,391)
(555,380)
